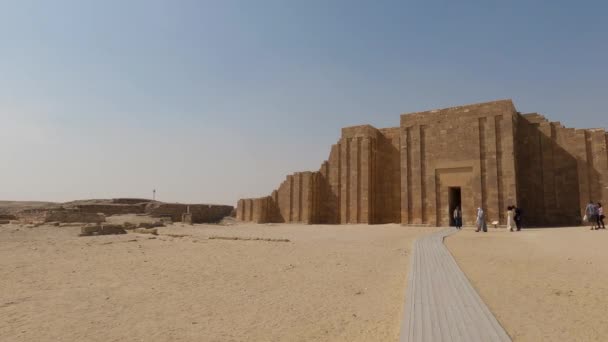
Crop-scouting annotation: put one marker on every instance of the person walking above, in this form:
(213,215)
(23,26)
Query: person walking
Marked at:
(510,224)
(481,220)
(590,212)
(517,217)
(457,217)
(600,216)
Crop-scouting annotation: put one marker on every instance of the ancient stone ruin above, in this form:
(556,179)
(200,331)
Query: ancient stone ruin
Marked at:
(95,211)
(485,155)
(102,229)
(60,215)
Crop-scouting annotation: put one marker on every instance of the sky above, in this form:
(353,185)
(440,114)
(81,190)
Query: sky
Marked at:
(212,101)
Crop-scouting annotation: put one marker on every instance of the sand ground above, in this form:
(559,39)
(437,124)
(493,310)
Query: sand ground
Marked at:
(542,284)
(329,283)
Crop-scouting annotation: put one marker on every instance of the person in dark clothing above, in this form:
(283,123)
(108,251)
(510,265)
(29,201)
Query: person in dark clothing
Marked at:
(517,218)
(458,218)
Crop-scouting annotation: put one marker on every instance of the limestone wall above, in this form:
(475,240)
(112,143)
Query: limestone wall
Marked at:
(494,155)
(130,200)
(344,188)
(73,216)
(294,201)
(358,146)
(201,213)
(111,209)
(32,215)
(59,215)
(470,147)
(559,170)
(387,168)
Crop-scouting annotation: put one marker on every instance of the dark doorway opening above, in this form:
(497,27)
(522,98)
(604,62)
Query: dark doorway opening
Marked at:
(454,201)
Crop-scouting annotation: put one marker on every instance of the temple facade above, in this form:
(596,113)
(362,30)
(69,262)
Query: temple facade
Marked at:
(485,155)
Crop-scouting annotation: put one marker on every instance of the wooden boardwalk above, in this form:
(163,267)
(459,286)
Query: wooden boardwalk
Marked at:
(441,304)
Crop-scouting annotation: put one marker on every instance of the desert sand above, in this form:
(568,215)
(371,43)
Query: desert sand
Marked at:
(328,283)
(541,284)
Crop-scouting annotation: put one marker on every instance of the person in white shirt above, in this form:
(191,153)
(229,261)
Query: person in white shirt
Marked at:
(600,216)
(510,218)
(590,212)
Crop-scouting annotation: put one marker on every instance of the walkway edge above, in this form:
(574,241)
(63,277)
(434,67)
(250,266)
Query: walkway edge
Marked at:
(437,288)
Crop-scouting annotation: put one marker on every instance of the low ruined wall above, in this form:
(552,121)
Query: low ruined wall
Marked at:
(201,213)
(7,217)
(59,215)
(73,216)
(96,212)
(112,209)
(32,215)
(130,200)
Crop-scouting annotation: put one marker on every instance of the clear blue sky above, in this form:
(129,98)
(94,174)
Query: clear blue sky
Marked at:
(210,101)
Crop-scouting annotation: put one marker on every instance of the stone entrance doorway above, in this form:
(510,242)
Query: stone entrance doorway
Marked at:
(454,201)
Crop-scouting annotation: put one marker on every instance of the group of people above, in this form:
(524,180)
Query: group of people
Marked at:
(513,216)
(594,213)
(514,219)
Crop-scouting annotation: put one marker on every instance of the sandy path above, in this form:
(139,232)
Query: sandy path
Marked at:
(330,283)
(542,284)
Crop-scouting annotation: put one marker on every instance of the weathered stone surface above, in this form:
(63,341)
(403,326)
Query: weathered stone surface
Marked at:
(493,155)
(111,209)
(187,218)
(201,213)
(67,224)
(59,215)
(130,200)
(109,229)
(101,229)
(153,231)
(95,210)
(90,229)
(150,224)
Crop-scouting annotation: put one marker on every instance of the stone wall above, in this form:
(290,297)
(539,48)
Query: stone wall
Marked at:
(96,210)
(358,146)
(294,201)
(387,168)
(492,154)
(559,170)
(73,216)
(201,213)
(32,215)
(343,190)
(112,209)
(7,217)
(59,215)
(470,147)
(130,200)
